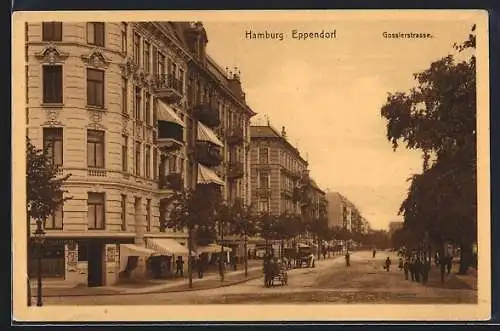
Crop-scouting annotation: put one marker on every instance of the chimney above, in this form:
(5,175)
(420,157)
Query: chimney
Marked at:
(283,132)
(234,81)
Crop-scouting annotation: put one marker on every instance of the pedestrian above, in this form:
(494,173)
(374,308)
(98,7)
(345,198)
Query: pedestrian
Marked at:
(418,269)
(200,265)
(425,270)
(179,267)
(374,253)
(412,268)
(387,264)
(401,263)
(406,268)
(347,259)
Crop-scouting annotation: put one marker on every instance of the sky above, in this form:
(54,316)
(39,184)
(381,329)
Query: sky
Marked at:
(328,94)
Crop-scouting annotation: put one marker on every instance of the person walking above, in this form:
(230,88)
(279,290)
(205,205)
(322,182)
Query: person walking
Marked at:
(347,259)
(200,266)
(412,268)
(406,268)
(418,269)
(179,267)
(374,253)
(401,263)
(449,263)
(387,266)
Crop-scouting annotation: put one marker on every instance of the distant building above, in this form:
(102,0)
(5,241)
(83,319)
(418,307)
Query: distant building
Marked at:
(343,213)
(393,226)
(276,168)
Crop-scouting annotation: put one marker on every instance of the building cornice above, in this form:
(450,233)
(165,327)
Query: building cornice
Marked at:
(202,69)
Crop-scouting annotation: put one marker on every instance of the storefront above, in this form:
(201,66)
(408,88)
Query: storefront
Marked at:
(91,261)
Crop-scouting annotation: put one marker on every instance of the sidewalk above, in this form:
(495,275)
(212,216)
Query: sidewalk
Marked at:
(166,286)
(453,281)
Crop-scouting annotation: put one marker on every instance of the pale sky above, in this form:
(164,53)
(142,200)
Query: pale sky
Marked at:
(328,95)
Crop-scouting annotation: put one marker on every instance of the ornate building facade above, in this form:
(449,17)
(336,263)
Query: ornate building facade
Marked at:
(277,169)
(133,111)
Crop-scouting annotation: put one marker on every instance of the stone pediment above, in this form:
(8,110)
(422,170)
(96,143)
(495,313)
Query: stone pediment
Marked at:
(51,54)
(96,59)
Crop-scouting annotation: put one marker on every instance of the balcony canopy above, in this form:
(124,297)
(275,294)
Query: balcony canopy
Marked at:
(208,176)
(167,114)
(205,134)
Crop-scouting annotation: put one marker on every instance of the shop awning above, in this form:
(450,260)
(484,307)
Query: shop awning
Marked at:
(134,250)
(212,248)
(165,246)
(208,176)
(167,114)
(205,134)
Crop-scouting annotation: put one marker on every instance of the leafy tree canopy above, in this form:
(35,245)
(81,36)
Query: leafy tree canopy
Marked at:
(44,187)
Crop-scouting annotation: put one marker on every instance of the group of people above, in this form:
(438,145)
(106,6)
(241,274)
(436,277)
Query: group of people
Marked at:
(416,265)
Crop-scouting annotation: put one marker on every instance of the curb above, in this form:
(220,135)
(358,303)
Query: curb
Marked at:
(230,283)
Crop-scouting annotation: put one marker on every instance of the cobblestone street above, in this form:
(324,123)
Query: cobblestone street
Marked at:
(330,282)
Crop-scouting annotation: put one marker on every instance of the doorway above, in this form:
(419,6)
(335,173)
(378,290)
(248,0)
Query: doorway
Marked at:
(95,253)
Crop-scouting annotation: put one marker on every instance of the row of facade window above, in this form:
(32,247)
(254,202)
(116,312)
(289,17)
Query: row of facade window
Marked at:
(96,213)
(145,105)
(144,53)
(53,86)
(152,59)
(53,143)
(53,31)
(286,159)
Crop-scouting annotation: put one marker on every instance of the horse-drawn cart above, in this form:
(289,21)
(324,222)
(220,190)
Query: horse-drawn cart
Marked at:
(274,270)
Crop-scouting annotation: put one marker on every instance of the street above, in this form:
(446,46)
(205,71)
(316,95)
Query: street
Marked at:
(365,281)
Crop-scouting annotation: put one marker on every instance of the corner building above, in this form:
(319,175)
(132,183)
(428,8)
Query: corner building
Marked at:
(118,108)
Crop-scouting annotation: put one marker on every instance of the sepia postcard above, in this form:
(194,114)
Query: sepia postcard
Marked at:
(251,166)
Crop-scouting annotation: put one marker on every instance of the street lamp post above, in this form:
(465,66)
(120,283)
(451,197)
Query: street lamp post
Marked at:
(222,258)
(39,238)
(246,254)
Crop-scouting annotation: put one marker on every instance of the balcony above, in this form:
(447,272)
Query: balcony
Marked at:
(208,154)
(172,181)
(235,136)
(207,113)
(287,193)
(170,136)
(168,88)
(235,170)
(291,173)
(263,192)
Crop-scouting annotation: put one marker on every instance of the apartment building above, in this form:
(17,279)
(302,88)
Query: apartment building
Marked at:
(122,108)
(343,213)
(276,168)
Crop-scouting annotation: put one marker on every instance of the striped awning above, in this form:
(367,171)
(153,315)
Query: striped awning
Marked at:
(135,250)
(167,114)
(205,134)
(208,176)
(212,248)
(166,246)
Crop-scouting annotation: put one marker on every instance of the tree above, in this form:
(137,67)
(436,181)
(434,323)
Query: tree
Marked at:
(438,117)
(196,211)
(244,224)
(44,187)
(44,195)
